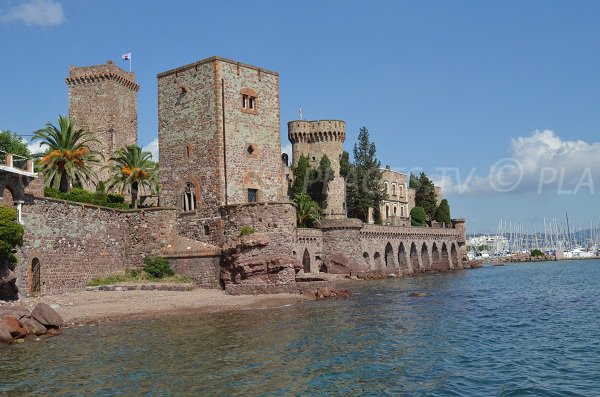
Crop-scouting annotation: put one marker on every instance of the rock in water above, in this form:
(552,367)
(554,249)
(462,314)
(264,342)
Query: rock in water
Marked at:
(33,326)
(5,336)
(14,327)
(340,264)
(46,316)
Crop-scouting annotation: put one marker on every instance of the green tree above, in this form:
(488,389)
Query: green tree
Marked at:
(413,181)
(364,187)
(68,154)
(418,216)
(13,144)
(11,235)
(319,181)
(345,164)
(308,211)
(442,213)
(132,168)
(301,176)
(425,196)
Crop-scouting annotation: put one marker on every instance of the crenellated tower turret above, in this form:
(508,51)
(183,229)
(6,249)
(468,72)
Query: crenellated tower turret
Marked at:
(314,139)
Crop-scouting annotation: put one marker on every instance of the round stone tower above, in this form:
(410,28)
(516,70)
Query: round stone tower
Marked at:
(316,138)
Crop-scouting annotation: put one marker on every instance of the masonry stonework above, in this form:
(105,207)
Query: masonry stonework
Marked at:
(103,100)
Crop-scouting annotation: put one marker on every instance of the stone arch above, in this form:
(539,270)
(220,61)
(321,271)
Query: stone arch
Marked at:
(445,260)
(425,258)
(252,182)
(377,261)
(435,257)
(8,197)
(35,274)
(306,261)
(403,263)
(455,261)
(366,259)
(390,260)
(415,259)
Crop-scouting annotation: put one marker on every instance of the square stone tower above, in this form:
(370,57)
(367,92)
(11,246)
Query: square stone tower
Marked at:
(103,100)
(218,133)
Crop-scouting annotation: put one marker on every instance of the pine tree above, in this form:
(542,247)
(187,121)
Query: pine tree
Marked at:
(442,214)
(425,196)
(301,176)
(319,181)
(365,186)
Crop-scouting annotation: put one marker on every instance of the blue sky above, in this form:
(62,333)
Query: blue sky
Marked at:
(451,87)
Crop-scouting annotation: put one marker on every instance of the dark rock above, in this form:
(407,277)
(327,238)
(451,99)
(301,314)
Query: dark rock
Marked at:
(265,269)
(14,327)
(46,316)
(340,264)
(33,326)
(5,336)
(8,283)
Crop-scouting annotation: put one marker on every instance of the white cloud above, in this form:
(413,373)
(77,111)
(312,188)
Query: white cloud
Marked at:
(152,147)
(539,163)
(36,13)
(36,147)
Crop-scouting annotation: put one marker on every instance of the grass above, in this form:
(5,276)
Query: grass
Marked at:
(136,277)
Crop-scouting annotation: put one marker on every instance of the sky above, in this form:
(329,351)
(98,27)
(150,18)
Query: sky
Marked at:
(496,101)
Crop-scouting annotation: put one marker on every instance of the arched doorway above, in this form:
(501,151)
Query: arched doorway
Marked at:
(306,261)
(435,258)
(414,258)
(454,256)
(7,198)
(445,258)
(389,256)
(402,260)
(377,262)
(425,257)
(36,279)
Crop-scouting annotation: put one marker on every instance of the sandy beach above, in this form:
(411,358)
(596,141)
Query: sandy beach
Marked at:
(108,306)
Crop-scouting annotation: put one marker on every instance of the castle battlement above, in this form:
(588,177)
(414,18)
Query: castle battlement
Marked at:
(98,73)
(313,131)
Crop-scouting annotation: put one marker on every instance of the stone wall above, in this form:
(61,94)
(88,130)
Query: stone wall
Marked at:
(197,227)
(103,100)
(75,243)
(308,249)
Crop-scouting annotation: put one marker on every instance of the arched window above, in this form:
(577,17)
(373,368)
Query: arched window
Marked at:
(387,211)
(189,197)
(387,188)
(393,189)
(395,208)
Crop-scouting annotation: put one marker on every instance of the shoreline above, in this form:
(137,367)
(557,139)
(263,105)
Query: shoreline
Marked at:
(87,308)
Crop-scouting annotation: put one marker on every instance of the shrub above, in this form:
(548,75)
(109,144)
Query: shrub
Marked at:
(246,230)
(80,195)
(418,216)
(11,235)
(158,267)
(537,252)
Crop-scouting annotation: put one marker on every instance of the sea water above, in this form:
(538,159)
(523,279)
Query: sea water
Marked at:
(516,330)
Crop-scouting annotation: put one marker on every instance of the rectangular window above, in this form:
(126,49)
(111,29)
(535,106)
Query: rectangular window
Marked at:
(252,195)
(244,101)
(251,102)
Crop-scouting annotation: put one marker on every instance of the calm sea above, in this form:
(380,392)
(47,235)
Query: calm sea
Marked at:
(517,330)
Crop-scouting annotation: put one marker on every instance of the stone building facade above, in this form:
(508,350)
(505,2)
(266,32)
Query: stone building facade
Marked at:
(395,210)
(218,135)
(315,139)
(103,100)
(225,219)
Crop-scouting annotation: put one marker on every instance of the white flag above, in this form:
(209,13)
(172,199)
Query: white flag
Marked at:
(126,57)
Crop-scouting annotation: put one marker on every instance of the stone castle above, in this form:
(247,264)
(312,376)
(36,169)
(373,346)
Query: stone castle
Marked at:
(221,169)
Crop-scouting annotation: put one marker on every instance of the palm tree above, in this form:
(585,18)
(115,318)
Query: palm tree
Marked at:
(308,211)
(68,155)
(133,169)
